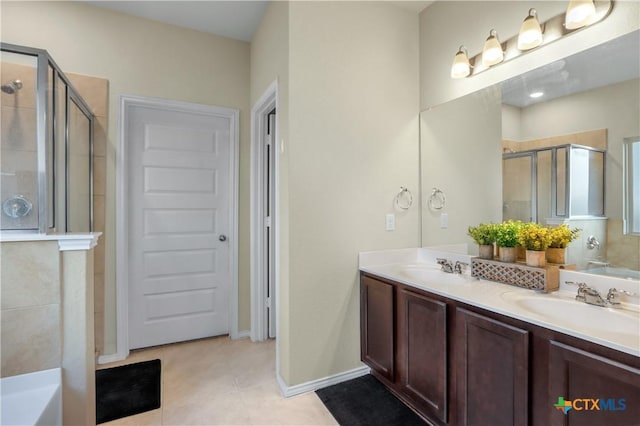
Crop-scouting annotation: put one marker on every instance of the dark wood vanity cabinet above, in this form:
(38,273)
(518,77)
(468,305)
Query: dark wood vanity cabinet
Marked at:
(492,371)
(422,352)
(377,321)
(456,364)
(583,377)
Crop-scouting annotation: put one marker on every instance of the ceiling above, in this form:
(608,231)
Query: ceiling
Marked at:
(608,63)
(237,19)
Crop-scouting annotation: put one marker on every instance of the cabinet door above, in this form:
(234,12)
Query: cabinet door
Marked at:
(492,371)
(422,352)
(600,390)
(376,310)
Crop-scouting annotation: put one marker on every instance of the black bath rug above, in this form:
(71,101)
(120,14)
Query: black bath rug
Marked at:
(365,401)
(127,390)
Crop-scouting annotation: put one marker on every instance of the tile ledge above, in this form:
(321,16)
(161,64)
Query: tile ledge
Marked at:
(66,242)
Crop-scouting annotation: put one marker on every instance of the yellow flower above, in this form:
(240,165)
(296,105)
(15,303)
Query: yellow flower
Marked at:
(533,236)
(562,235)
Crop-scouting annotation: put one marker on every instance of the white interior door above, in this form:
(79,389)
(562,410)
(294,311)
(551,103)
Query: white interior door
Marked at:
(179,205)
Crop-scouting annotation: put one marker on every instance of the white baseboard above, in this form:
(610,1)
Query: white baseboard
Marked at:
(241,335)
(106,359)
(314,385)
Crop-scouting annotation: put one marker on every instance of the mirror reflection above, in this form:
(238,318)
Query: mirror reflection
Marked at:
(546,146)
(631,167)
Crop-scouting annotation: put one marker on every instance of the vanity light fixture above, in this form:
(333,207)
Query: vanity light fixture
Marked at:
(492,52)
(530,35)
(461,66)
(579,14)
(535,95)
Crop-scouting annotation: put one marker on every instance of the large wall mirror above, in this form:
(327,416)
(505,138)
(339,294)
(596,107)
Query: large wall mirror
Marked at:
(545,146)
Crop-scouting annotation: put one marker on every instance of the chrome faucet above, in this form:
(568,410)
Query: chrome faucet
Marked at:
(591,296)
(449,267)
(445,265)
(588,295)
(593,243)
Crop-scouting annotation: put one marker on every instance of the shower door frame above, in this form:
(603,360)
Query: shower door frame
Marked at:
(43,135)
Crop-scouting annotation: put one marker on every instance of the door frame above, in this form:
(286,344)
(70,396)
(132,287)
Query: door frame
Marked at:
(122,219)
(261,108)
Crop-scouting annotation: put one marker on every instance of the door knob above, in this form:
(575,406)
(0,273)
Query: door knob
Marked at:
(222,238)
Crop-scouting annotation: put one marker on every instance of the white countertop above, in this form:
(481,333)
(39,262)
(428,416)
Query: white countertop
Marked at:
(614,328)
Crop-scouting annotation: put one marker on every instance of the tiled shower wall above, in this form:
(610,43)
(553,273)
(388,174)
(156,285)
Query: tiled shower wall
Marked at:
(18,156)
(31,331)
(95,92)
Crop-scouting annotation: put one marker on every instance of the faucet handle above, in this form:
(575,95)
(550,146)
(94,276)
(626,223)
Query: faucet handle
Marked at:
(614,294)
(460,266)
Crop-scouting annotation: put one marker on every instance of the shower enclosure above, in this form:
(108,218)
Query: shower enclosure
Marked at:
(552,183)
(46,146)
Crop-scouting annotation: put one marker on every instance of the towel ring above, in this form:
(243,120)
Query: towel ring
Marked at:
(404,199)
(437,200)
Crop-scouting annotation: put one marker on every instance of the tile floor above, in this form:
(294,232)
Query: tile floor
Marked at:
(220,381)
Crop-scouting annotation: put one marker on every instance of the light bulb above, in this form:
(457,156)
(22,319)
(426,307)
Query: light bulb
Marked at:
(492,52)
(579,13)
(461,66)
(530,35)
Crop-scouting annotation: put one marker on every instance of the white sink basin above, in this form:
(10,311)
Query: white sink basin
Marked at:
(578,315)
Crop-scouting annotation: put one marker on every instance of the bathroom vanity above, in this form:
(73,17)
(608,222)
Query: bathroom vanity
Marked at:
(463,351)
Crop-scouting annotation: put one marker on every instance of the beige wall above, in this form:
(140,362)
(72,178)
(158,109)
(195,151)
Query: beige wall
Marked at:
(445,25)
(353,133)
(146,58)
(270,62)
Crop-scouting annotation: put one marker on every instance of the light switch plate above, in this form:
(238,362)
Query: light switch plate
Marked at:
(390,222)
(444,220)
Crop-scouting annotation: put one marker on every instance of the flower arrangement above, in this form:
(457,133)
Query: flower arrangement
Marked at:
(562,235)
(483,234)
(506,233)
(533,236)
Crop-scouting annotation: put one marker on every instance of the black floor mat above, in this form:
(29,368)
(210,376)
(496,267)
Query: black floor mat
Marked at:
(127,390)
(365,401)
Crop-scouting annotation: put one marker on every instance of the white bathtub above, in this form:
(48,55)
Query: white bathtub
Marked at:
(32,399)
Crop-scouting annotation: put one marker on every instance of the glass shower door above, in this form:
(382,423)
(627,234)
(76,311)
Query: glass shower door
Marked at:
(517,187)
(19,145)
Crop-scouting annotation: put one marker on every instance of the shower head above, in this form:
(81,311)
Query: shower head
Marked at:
(12,87)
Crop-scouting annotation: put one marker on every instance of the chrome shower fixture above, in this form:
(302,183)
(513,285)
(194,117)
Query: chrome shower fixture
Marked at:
(12,87)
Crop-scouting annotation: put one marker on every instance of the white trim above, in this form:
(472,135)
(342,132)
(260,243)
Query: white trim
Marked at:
(122,285)
(267,101)
(244,334)
(314,385)
(66,242)
(106,359)
(86,243)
